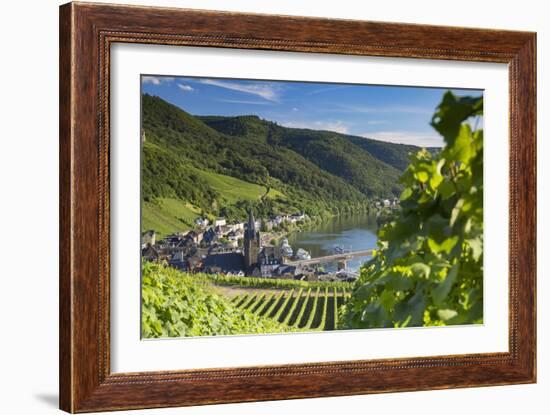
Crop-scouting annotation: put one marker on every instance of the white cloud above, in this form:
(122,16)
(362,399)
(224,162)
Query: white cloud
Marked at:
(186,88)
(156,80)
(407,137)
(295,109)
(244,101)
(376,122)
(336,126)
(327,89)
(390,109)
(394,109)
(264,90)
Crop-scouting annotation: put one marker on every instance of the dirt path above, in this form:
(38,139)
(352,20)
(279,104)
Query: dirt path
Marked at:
(233,291)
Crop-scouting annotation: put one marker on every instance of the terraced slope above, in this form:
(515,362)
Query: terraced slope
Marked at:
(300,309)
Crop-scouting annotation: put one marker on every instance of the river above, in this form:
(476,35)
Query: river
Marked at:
(354,232)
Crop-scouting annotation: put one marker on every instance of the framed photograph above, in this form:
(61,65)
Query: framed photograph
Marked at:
(260,207)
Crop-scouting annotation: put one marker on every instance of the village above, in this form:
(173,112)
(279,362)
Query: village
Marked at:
(256,248)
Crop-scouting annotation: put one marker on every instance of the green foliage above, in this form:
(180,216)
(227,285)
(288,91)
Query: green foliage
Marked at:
(241,299)
(233,190)
(429,266)
(336,308)
(302,309)
(260,299)
(396,155)
(313,310)
(175,305)
(165,215)
(263,307)
(246,305)
(282,308)
(274,307)
(341,157)
(324,312)
(178,144)
(249,126)
(290,312)
(238,299)
(234,280)
(223,166)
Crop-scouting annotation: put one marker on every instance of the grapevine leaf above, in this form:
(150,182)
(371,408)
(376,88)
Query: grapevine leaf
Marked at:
(422,176)
(446,189)
(477,247)
(406,194)
(446,246)
(437,232)
(440,292)
(452,112)
(446,314)
(420,269)
(462,149)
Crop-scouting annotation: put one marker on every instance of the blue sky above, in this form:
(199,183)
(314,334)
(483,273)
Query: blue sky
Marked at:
(386,113)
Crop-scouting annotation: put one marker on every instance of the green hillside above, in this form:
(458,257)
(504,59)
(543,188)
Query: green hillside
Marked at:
(175,305)
(368,167)
(166,215)
(234,190)
(341,157)
(249,126)
(396,155)
(223,166)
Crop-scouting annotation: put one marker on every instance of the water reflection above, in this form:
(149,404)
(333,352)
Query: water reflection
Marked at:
(354,233)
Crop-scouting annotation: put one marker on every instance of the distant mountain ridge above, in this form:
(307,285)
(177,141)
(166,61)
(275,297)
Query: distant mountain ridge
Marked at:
(394,154)
(185,158)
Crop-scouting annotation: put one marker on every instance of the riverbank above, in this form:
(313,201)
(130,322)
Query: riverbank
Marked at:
(347,233)
(310,224)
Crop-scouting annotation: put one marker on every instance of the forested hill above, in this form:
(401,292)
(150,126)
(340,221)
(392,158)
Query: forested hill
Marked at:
(225,165)
(396,155)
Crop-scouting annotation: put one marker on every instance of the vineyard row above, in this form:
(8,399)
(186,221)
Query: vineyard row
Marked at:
(256,282)
(302,309)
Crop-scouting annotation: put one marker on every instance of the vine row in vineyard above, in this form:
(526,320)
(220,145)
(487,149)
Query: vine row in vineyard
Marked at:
(301,309)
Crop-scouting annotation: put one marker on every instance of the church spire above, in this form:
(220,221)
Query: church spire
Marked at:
(252,245)
(251,221)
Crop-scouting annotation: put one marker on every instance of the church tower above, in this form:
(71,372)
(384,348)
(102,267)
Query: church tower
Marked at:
(251,243)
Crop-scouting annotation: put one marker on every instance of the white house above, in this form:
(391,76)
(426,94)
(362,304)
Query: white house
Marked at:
(298,216)
(219,222)
(236,226)
(148,238)
(286,249)
(202,222)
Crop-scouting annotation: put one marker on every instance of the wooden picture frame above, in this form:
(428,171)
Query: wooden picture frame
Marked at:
(86,33)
